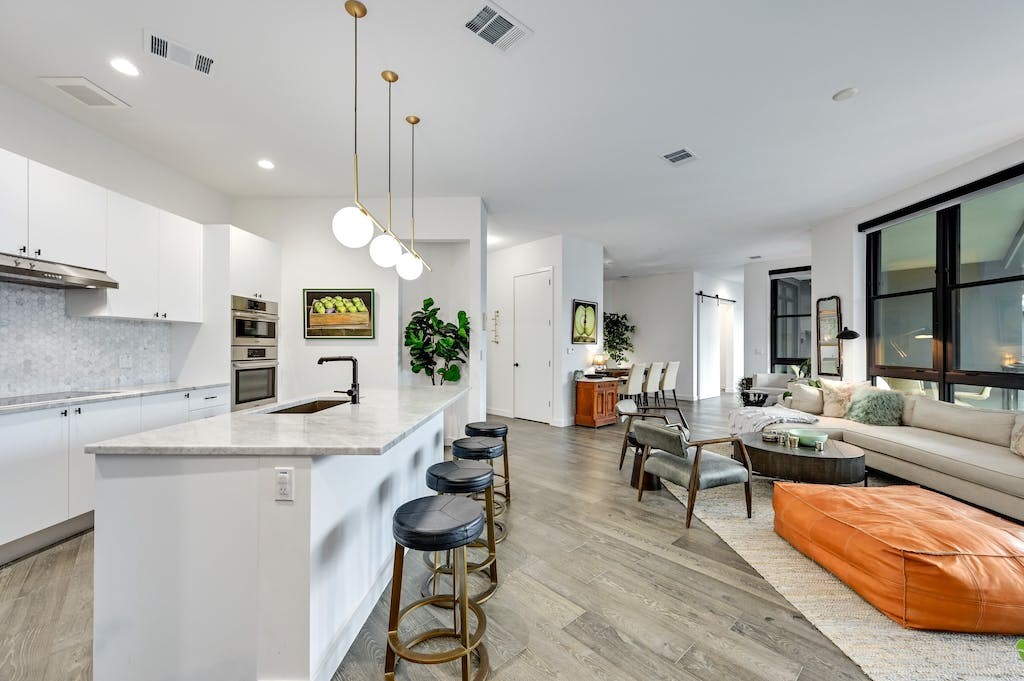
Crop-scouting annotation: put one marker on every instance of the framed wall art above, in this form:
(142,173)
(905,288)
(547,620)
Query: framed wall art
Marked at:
(338,313)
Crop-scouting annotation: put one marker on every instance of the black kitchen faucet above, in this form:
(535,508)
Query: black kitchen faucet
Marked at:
(352,392)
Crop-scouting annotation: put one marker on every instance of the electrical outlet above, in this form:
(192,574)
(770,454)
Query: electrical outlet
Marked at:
(284,489)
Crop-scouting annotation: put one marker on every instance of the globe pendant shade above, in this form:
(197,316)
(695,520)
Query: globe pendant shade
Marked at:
(409,266)
(384,250)
(352,227)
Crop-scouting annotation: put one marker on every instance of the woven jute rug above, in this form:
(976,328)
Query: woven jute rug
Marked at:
(883,649)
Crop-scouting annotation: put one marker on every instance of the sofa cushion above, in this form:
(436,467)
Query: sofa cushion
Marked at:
(838,395)
(806,398)
(876,407)
(908,408)
(970,460)
(993,427)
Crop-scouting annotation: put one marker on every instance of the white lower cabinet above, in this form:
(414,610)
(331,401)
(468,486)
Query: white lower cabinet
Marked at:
(91,423)
(160,411)
(197,414)
(34,461)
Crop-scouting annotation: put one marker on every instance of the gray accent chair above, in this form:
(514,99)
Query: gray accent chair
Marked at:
(669,454)
(628,411)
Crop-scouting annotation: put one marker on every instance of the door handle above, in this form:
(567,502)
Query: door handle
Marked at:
(516,364)
(78,410)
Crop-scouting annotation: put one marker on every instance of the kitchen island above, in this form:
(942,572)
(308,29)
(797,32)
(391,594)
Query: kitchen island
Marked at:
(204,569)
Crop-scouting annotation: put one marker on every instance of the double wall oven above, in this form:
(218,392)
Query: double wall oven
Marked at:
(253,352)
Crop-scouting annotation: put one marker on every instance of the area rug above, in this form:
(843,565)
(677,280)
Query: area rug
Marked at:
(883,649)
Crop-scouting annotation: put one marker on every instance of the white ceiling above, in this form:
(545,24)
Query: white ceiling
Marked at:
(564,133)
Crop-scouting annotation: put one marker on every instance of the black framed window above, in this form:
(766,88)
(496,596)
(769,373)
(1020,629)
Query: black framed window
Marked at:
(791,308)
(946,295)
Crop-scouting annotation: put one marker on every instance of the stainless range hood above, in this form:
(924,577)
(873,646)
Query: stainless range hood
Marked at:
(20,270)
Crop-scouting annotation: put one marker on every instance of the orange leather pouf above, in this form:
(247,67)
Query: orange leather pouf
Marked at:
(923,559)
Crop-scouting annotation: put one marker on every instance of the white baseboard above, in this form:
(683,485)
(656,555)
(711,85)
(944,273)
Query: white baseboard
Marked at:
(507,413)
(19,548)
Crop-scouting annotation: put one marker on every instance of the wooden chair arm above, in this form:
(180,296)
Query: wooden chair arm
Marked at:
(677,410)
(699,444)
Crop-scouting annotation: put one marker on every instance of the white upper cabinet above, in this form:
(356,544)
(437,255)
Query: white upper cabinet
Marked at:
(13,203)
(67,218)
(132,245)
(255,266)
(180,269)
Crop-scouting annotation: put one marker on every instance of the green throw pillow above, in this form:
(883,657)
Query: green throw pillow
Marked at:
(876,407)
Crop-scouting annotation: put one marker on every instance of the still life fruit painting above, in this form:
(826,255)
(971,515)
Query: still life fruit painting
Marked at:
(584,321)
(338,313)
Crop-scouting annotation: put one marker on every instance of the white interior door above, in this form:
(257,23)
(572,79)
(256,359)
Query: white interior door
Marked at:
(726,313)
(532,343)
(709,350)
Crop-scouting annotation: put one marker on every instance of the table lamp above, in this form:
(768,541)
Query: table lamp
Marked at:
(599,362)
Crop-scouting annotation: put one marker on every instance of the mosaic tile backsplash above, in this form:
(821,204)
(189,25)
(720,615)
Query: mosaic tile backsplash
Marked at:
(43,350)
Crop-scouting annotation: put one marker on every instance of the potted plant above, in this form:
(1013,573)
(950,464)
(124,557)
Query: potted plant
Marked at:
(618,336)
(437,347)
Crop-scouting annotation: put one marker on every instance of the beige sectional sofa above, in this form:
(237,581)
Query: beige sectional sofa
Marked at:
(957,450)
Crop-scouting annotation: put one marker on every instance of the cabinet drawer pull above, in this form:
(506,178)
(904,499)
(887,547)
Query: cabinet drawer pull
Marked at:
(78,410)
(39,251)
(64,413)
(211,397)
(23,249)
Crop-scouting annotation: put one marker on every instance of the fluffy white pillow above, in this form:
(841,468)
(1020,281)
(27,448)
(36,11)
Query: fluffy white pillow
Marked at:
(806,398)
(838,395)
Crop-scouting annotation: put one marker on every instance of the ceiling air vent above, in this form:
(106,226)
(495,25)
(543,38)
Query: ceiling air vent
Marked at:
(681,156)
(86,92)
(165,48)
(498,27)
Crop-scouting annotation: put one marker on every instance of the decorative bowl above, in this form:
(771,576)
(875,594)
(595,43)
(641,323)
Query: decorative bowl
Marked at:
(808,438)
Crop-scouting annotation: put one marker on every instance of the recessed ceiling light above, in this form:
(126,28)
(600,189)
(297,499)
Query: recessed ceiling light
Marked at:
(265,163)
(845,93)
(122,65)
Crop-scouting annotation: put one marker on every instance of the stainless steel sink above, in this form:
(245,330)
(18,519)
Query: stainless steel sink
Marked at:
(309,407)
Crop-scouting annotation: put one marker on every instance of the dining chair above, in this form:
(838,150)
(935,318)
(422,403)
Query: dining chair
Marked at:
(652,384)
(628,410)
(668,453)
(668,382)
(634,381)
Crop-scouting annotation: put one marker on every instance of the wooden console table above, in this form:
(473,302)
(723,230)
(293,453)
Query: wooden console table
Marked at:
(595,402)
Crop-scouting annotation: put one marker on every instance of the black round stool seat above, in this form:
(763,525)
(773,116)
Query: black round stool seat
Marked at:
(487,429)
(478,448)
(459,477)
(438,523)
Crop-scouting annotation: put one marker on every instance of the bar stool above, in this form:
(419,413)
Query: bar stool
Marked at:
(440,523)
(494,429)
(465,477)
(483,449)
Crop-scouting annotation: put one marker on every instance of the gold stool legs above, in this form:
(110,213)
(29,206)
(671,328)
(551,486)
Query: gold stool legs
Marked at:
(430,586)
(469,641)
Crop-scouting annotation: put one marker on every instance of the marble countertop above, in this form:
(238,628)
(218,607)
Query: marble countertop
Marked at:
(12,405)
(382,418)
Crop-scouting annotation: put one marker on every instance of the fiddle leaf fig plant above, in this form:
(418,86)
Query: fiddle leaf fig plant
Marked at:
(618,336)
(436,347)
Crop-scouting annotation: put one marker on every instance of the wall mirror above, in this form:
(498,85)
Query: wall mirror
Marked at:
(830,322)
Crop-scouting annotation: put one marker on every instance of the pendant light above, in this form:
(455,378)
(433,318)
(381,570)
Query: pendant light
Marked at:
(351,225)
(354,226)
(410,266)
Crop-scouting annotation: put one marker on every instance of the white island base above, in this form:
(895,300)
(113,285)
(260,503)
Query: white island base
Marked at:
(200,574)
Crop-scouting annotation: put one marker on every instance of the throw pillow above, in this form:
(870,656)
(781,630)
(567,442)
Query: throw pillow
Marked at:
(807,398)
(876,407)
(1017,437)
(838,395)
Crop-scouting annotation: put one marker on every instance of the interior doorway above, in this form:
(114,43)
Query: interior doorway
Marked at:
(532,346)
(727,353)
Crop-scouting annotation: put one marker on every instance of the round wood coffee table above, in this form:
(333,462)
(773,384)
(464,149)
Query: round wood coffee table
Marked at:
(839,464)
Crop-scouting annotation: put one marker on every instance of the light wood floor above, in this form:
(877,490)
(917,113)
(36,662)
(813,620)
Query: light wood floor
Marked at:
(593,586)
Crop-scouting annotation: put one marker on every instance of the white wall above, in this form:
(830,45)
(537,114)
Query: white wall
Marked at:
(312,258)
(577,273)
(838,250)
(662,308)
(582,279)
(44,135)
(757,311)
